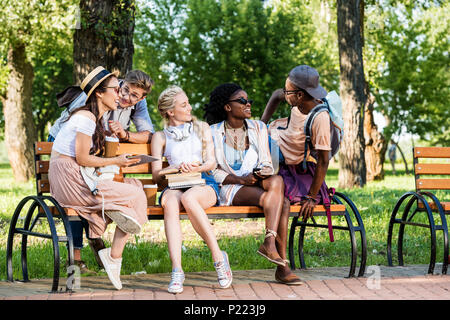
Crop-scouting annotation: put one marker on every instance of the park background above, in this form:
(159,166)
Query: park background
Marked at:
(397,85)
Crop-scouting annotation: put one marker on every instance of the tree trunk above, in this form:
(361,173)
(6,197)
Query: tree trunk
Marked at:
(105,37)
(352,168)
(375,144)
(20,132)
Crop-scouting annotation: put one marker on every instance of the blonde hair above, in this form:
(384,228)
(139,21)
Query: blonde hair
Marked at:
(166,102)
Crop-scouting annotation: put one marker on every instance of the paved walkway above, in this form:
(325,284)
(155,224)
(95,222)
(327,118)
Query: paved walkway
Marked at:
(379,283)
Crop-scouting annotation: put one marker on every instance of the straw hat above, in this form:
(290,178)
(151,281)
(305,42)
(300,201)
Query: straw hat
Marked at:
(94,78)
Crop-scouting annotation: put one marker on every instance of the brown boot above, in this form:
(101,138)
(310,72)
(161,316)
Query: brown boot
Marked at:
(273,255)
(287,276)
(97,245)
(82,266)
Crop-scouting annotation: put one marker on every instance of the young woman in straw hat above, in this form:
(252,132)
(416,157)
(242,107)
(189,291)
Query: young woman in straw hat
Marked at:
(187,145)
(81,143)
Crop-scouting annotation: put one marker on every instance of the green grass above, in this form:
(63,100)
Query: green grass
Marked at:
(148,252)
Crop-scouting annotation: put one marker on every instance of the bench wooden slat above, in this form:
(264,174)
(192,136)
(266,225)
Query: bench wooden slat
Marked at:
(43,186)
(134,148)
(43,148)
(432,152)
(445,206)
(233,211)
(251,209)
(42,166)
(432,168)
(433,184)
(145,168)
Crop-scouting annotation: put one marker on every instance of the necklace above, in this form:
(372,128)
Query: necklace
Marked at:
(236,137)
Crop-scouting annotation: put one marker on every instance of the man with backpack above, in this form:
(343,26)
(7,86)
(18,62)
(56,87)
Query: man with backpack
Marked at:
(132,107)
(304,140)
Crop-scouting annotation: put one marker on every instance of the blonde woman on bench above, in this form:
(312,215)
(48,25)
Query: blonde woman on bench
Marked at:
(187,145)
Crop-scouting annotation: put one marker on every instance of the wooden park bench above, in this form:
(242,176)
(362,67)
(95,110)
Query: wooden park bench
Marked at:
(45,207)
(423,201)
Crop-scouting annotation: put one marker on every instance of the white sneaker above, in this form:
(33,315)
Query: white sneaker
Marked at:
(224,274)
(176,283)
(125,223)
(112,267)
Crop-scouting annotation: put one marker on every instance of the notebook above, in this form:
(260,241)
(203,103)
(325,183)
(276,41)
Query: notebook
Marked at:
(185,180)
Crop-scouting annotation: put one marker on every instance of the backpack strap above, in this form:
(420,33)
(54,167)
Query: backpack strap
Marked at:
(327,204)
(287,125)
(308,125)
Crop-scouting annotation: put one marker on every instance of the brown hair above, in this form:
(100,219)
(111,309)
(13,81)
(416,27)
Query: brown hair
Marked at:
(140,79)
(98,138)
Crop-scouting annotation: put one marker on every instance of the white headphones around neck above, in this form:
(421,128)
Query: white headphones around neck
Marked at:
(180,135)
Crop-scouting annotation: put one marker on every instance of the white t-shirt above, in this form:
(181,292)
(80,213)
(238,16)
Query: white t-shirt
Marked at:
(65,140)
(187,151)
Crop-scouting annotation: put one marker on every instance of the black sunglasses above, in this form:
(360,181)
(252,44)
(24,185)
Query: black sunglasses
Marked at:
(242,101)
(288,92)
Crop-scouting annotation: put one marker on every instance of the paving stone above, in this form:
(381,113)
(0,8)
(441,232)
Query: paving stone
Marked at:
(264,291)
(387,283)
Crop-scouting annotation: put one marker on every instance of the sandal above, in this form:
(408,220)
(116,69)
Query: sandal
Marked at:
(272,256)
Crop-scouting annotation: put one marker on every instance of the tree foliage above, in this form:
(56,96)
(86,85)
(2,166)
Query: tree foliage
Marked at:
(408,57)
(45,27)
(198,45)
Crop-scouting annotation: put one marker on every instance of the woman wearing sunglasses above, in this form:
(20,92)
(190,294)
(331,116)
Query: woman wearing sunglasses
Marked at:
(245,172)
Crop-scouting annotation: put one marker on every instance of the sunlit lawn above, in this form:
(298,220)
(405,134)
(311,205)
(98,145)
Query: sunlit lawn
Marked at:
(148,251)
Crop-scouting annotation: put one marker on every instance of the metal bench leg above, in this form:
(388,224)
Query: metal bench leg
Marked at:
(12,231)
(68,239)
(38,202)
(407,220)
(55,241)
(442,227)
(393,220)
(351,272)
(24,243)
(401,232)
(360,228)
(301,240)
(431,226)
(291,242)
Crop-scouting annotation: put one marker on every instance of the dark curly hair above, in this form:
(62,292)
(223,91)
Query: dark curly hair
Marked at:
(218,98)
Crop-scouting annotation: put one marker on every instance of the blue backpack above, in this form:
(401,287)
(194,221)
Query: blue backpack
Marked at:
(331,104)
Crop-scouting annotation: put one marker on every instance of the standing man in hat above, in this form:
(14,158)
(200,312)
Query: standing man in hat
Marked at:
(132,107)
(302,92)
